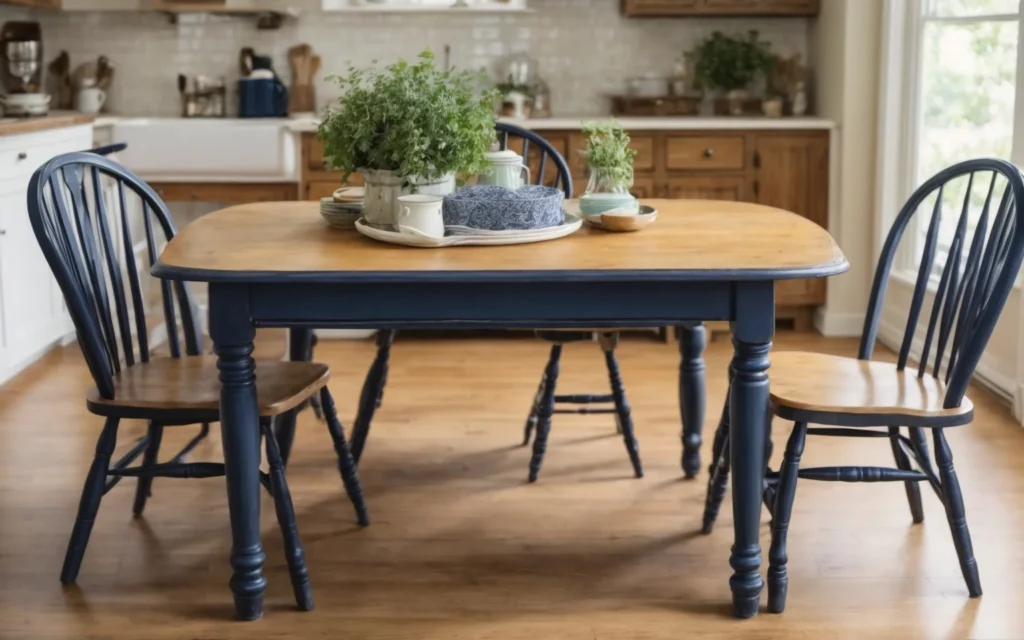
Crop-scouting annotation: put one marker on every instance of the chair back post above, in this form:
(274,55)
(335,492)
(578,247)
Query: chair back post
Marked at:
(86,236)
(977,271)
(563,177)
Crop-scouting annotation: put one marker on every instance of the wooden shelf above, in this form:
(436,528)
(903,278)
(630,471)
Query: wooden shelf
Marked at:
(347,6)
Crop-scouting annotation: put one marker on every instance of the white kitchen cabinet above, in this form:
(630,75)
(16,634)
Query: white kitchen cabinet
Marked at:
(32,313)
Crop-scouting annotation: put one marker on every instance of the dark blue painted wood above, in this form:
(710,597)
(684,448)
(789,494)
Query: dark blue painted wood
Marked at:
(294,555)
(692,340)
(232,336)
(531,420)
(752,329)
(372,394)
(956,514)
(718,470)
(563,177)
(346,462)
(903,463)
(778,579)
(622,408)
(143,489)
(89,504)
(545,411)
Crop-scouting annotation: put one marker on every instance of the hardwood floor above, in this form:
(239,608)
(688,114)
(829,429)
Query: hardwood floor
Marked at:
(462,547)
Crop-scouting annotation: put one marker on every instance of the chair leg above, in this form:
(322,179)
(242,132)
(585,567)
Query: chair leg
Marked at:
(293,552)
(622,409)
(718,470)
(531,420)
(953,500)
(372,394)
(903,462)
(545,411)
(314,404)
(346,463)
(89,504)
(145,484)
(778,578)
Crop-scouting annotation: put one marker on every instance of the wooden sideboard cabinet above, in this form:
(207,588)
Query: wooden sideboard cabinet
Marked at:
(788,169)
(36,4)
(682,8)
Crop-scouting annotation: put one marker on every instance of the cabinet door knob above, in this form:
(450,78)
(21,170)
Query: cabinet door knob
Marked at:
(3,232)
(22,155)
(709,153)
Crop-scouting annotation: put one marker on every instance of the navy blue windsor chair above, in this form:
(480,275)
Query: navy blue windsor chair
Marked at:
(976,272)
(87,239)
(543,407)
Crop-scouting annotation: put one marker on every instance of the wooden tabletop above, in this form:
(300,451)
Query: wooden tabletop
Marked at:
(692,239)
(17,126)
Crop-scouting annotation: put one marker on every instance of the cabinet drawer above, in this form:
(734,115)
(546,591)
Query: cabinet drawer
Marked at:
(800,293)
(705,152)
(644,161)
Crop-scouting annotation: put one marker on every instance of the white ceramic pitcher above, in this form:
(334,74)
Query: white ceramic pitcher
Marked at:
(507,170)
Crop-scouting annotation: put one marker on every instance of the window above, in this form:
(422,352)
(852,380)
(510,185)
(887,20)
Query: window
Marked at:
(961,66)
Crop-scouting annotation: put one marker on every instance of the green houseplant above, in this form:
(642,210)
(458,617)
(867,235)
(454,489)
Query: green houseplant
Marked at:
(610,162)
(407,127)
(729,64)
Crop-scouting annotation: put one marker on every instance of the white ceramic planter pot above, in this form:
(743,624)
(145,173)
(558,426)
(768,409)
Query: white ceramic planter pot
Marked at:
(383,189)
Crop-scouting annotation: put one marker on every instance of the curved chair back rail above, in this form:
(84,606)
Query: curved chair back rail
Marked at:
(563,178)
(976,274)
(109,149)
(79,205)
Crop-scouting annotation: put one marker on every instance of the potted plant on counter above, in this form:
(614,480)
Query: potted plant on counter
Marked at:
(730,64)
(610,163)
(408,128)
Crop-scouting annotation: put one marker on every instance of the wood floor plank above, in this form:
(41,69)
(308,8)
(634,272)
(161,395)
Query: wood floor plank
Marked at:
(462,547)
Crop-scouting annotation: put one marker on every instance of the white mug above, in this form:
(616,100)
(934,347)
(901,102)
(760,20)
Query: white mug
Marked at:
(90,100)
(420,215)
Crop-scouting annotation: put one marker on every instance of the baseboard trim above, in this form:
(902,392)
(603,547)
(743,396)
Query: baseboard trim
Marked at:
(838,325)
(345,334)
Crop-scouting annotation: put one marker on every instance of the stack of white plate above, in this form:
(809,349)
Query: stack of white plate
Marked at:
(343,208)
(26,104)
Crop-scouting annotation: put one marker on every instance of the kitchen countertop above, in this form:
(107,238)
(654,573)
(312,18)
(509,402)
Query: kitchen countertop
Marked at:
(17,126)
(306,124)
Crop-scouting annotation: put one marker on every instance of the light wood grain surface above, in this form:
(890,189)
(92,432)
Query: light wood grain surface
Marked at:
(32,125)
(192,383)
(823,382)
(690,235)
(462,548)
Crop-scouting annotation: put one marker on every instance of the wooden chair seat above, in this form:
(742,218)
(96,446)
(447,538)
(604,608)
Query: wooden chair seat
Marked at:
(827,389)
(190,386)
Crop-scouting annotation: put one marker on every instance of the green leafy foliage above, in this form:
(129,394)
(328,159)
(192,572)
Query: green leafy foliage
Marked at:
(412,119)
(731,62)
(608,153)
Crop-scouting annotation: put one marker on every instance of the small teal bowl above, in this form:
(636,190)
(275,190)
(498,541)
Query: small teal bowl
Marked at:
(594,204)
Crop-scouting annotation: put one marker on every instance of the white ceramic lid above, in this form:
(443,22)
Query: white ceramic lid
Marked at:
(507,156)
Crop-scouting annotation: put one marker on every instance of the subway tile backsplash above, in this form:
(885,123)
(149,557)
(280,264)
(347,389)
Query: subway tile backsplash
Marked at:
(584,48)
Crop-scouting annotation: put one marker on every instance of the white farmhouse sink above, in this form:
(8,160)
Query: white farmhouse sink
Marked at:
(208,149)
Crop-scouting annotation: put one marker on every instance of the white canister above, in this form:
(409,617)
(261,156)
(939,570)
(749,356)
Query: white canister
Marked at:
(507,170)
(381,206)
(90,99)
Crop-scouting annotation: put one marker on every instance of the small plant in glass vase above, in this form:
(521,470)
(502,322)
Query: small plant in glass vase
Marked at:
(729,65)
(408,128)
(610,164)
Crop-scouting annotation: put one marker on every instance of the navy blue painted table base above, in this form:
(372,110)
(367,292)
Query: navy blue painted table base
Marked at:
(241,302)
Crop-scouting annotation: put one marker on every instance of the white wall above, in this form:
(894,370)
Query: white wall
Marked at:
(844,45)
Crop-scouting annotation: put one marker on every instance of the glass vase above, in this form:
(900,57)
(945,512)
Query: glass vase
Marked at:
(604,181)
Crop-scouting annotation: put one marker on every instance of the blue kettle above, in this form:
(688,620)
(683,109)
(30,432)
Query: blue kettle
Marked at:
(262,98)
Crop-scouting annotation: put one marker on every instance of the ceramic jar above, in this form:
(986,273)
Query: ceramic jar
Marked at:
(383,188)
(507,170)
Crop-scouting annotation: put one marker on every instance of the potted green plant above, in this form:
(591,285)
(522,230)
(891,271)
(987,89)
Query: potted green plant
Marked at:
(729,64)
(610,163)
(408,128)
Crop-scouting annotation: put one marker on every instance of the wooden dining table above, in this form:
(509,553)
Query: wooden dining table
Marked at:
(278,264)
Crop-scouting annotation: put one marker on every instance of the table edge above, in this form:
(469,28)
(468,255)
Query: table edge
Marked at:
(188,274)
